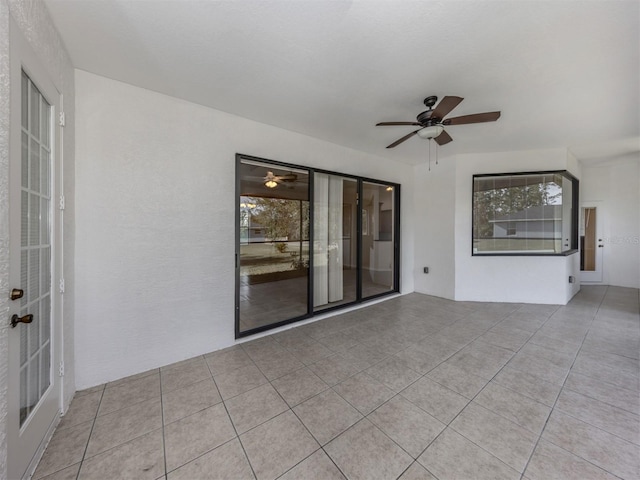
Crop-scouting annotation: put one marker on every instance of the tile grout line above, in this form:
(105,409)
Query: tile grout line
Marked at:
(396,394)
(320,447)
(553,408)
(364,370)
(480,391)
(224,404)
(164,445)
(93,424)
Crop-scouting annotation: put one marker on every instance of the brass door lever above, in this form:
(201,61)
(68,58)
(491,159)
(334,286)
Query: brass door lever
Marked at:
(16,293)
(15,319)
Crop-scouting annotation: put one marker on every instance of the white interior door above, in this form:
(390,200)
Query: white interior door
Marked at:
(591,242)
(34,339)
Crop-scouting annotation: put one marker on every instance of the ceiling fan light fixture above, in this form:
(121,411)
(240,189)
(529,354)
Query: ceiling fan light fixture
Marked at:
(430,132)
(270,183)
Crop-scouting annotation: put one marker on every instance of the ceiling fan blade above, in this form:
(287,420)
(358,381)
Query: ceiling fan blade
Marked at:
(474,118)
(291,177)
(443,138)
(445,106)
(400,140)
(384,124)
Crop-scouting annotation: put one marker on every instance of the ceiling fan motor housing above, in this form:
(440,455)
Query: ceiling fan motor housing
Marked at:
(425,119)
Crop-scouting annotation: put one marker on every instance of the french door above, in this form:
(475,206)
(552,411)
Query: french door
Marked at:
(309,241)
(33,331)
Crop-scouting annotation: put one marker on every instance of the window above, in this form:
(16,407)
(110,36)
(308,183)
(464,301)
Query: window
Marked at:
(308,241)
(525,214)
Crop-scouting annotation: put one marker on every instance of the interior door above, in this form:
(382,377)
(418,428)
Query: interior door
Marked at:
(591,243)
(33,388)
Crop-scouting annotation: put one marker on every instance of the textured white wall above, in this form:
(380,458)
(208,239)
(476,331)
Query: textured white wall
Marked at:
(507,279)
(33,20)
(443,235)
(616,184)
(434,228)
(155,215)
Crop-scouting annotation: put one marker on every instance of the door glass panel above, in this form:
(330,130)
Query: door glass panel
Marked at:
(378,239)
(35,254)
(334,240)
(274,244)
(588,239)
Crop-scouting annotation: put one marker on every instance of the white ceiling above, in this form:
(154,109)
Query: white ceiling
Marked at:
(563,73)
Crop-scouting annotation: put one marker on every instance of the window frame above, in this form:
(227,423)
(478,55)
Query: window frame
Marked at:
(573,248)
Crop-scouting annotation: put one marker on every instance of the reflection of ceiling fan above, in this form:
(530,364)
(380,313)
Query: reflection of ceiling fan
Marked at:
(272,181)
(432,122)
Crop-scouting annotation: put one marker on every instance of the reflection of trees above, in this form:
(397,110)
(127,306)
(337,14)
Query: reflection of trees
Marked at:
(281,218)
(491,203)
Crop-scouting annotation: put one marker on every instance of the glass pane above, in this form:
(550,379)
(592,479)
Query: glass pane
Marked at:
(33,390)
(34,219)
(25,160)
(24,259)
(588,239)
(33,289)
(34,168)
(35,112)
(24,219)
(274,248)
(45,372)
(45,319)
(24,343)
(44,221)
(335,241)
(34,329)
(45,270)
(564,226)
(24,403)
(378,210)
(44,172)
(45,119)
(522,213)
(25,101)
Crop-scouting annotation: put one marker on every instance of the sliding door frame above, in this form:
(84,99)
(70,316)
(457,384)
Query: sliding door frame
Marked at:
(310,281)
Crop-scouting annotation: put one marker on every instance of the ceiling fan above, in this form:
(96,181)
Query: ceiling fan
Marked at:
(432,121)
(272,181)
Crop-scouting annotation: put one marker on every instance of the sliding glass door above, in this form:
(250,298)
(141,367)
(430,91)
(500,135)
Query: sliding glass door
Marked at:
(309,241)
(273,250)
(335,240)
(378,239)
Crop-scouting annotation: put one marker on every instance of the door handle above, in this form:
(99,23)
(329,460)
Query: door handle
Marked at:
(15,319)
(600,246)
(16,293)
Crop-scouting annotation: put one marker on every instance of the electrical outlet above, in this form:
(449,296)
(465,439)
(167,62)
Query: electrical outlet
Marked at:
(425,269)
(572,279)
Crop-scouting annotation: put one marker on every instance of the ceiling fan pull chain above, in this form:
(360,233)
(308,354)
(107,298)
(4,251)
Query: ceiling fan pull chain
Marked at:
(436,147)
(429,156)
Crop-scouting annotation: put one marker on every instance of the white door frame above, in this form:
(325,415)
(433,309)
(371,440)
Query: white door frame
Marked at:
(26,443)
(595,276)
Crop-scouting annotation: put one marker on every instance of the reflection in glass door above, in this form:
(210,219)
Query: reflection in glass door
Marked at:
(378,239)
(334,240)
(273,245)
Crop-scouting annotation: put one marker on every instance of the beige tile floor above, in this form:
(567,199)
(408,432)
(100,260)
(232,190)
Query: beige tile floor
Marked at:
(416,387)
